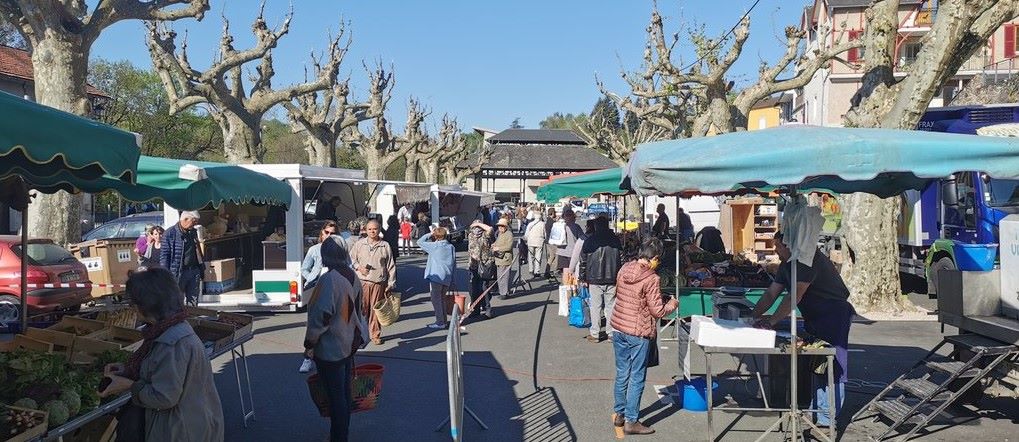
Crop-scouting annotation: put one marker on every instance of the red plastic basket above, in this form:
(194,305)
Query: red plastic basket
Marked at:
(365,388)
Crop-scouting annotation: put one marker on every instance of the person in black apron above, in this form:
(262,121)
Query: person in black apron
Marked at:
(827,314)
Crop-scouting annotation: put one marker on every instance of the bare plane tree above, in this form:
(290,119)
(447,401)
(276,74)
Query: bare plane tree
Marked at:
(324,116)
(60,35)
(237,110)
(378,146)
(454,153)
(699,99)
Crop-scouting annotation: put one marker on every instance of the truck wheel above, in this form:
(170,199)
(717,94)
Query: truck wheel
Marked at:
(10,309)
(944,263)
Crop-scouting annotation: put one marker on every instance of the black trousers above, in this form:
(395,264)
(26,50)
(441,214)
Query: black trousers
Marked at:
(335,376)
(477,287)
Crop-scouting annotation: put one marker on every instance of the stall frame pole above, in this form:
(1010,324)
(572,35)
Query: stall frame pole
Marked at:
(23,279)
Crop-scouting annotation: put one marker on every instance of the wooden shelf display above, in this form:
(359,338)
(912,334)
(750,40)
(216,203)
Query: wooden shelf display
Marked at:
(749,224)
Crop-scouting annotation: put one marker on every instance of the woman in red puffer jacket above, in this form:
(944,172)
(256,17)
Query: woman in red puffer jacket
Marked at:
(639,305)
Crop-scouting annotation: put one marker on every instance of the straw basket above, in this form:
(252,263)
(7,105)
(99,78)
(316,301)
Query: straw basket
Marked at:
(365,389)
(388,308)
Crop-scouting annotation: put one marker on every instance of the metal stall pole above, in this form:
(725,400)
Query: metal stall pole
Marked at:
(793,377)
(24,267)
(675,281)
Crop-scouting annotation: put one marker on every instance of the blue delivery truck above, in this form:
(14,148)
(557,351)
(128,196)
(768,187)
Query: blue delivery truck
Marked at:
(964,208)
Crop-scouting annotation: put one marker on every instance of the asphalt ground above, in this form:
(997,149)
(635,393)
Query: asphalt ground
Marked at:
(529,376)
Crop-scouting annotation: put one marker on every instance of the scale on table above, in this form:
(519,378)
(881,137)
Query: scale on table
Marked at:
(731,303)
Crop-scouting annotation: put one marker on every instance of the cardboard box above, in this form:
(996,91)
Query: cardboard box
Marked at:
(126,338)
(77,326)
(103,429)
(62,342)
(221,270)
(107,261)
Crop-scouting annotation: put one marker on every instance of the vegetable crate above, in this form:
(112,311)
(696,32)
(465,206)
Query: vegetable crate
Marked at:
(127,338)
(366,386)
(22,342)
(62,341)
(22,434)
(78,326)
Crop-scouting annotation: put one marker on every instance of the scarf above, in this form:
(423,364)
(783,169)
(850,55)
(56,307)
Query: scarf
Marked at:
(132,369)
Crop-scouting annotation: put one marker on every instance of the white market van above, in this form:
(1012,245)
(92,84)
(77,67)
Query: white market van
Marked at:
(277,285)
(449,205)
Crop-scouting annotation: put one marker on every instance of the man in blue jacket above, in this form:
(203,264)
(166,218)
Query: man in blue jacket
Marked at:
(181,254)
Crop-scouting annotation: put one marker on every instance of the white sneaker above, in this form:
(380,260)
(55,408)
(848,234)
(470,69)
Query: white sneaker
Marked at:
(463,328)
(306,366)
(436,325)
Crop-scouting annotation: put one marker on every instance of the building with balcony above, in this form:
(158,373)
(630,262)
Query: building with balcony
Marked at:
(826,99)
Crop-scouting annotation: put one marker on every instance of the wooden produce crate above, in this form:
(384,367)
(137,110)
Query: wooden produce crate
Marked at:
(62,341)
(220,335)
(198,312)
(32,433)
(126,338)
(85,350)
(22,342)
(241,323)
(78,326)
(120,317)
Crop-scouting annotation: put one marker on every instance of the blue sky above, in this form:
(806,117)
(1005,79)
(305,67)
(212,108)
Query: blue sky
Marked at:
(486,62)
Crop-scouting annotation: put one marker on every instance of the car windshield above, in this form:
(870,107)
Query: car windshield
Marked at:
(44,254)
(1003,192)
(135,229)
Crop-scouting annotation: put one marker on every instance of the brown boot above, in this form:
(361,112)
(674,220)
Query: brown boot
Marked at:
(636,428)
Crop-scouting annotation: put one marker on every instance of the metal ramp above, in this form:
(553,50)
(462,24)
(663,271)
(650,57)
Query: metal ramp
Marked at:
(925,390)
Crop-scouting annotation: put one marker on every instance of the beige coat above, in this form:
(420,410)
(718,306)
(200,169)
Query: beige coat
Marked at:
(503,243)
(176,388)
(379,257)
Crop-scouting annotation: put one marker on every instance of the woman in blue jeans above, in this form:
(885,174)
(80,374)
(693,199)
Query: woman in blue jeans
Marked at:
(639,306)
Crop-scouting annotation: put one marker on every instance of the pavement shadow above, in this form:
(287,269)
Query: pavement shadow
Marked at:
(543,417)
(412,404)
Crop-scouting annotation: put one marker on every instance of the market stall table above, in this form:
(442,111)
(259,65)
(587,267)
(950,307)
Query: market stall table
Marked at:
(237,353)
(827,352)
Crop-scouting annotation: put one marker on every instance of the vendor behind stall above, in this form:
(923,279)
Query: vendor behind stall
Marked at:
(327,209)
(822,299)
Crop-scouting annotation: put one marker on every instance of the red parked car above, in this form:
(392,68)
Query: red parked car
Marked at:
(47,263)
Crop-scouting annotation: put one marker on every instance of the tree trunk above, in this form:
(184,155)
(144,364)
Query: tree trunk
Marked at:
(241,138)
(870,245)
(374,169)
(410,173)
(320,151)
(431,170)
(60,70)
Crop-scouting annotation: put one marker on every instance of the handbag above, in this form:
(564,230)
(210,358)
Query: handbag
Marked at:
(564,299)
(579,312)
(387,309)
(487,271)
(652,352)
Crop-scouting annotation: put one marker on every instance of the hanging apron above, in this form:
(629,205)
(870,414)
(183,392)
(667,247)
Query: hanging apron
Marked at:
(829,319)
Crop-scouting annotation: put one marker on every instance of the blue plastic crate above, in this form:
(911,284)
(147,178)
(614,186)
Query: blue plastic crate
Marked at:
(975,257)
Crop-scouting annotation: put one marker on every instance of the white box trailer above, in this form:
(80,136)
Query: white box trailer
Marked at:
(449,205)
(282,289)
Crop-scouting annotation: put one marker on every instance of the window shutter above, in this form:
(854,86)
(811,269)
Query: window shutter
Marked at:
(854,53)
(1009,41)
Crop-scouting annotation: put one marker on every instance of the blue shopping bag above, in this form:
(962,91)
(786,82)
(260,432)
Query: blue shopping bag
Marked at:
(580,314)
